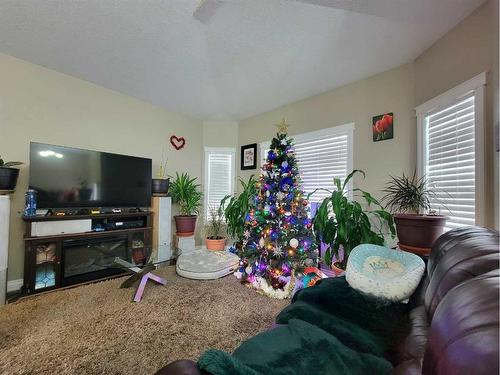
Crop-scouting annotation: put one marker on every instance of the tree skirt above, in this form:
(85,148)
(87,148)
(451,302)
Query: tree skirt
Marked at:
(263,286)
(206,265)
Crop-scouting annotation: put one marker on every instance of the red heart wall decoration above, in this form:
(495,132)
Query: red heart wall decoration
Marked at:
(177,142)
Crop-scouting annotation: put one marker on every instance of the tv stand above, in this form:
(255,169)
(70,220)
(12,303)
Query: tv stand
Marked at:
(61,259)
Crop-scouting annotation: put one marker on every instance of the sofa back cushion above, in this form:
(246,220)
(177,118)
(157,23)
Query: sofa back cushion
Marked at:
(457,256)
(463,336)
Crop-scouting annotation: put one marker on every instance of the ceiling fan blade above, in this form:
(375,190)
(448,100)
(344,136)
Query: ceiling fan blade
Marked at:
(206,9)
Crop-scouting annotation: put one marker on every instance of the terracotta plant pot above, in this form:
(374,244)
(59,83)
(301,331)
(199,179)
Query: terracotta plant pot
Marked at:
(215,245)
(185,224)
(419,231)
(138,256)
(8,178)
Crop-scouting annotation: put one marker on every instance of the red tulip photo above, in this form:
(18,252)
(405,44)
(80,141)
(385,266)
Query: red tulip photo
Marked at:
(383,127)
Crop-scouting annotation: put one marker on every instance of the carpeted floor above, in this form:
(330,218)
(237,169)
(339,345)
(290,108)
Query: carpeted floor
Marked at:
(96,329)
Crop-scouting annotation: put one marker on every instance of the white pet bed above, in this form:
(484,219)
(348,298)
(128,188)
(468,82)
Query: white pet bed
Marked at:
(206,265)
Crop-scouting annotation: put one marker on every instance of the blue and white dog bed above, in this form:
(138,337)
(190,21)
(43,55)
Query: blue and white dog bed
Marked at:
(384,273)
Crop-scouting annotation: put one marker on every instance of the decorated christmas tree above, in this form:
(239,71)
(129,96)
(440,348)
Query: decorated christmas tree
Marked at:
(278,236)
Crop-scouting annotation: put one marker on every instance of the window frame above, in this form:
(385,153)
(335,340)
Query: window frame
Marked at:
(347,128)
(476,87)
(207,152)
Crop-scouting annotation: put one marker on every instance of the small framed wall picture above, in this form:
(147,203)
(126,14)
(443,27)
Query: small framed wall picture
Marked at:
(383,127)
(249,156)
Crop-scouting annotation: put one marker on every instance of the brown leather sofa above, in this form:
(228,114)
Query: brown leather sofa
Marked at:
(455,314)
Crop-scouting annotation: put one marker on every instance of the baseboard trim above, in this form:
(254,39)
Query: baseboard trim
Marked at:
(14,285)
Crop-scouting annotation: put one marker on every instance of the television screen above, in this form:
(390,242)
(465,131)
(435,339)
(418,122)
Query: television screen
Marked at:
(71,177)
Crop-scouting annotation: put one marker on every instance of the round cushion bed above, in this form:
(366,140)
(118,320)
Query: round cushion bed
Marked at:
(383,272)
(202,264)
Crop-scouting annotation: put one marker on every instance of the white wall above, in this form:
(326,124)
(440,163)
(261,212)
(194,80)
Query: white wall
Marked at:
(37,104)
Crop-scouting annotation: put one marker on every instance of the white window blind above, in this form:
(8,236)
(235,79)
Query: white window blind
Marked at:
(320,161)
(322,156)
(219,176)
(450,161)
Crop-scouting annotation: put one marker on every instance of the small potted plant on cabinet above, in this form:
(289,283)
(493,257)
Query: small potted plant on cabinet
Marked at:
(410,200)
(342,224)
(186,192)
(215,238)
(160,184)
(8,174)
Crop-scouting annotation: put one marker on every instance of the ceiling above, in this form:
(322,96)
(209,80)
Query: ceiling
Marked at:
(243,58)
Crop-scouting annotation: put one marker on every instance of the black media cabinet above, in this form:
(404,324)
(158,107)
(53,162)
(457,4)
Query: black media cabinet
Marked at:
(60,260)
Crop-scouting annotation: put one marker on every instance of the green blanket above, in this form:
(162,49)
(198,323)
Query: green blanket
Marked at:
(327,329)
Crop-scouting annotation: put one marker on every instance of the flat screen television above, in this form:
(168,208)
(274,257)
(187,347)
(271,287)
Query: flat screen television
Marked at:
(71,177)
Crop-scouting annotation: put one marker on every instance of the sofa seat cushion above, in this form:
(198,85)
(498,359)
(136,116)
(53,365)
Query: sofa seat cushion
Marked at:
(384,273)
(457,256)
(464,331)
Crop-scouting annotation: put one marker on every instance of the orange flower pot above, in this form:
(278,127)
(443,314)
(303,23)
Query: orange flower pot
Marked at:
(215,245)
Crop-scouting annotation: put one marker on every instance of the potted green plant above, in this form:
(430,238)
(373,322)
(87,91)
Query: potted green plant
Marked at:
(410,201)
(160,184)
(215,238)
(186,193)
(8,174)
(342,224)
(237,207)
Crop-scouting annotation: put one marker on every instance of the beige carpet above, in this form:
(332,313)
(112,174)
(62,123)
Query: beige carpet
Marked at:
(96,329)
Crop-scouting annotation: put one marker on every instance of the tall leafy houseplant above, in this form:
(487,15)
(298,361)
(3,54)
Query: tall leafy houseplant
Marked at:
(185,191)
(237,207)
(8,174)
(409,198)
(341,223)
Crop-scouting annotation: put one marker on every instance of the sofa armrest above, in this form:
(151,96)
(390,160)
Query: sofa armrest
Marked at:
(183,367)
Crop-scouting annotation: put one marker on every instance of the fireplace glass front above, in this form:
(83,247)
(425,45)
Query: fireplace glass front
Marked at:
(90,259)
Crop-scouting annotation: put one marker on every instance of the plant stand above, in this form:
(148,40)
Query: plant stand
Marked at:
(4,244)
(184,244)
(137,273)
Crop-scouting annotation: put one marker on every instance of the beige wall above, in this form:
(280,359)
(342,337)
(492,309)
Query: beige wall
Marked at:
(391,91)
(220,133)
(465,51)
(37,104)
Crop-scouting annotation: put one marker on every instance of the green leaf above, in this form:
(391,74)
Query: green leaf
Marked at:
(342,223)
(351,175)
(186,192)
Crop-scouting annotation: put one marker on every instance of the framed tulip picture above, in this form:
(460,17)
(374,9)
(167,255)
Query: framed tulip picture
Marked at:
(383,127)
